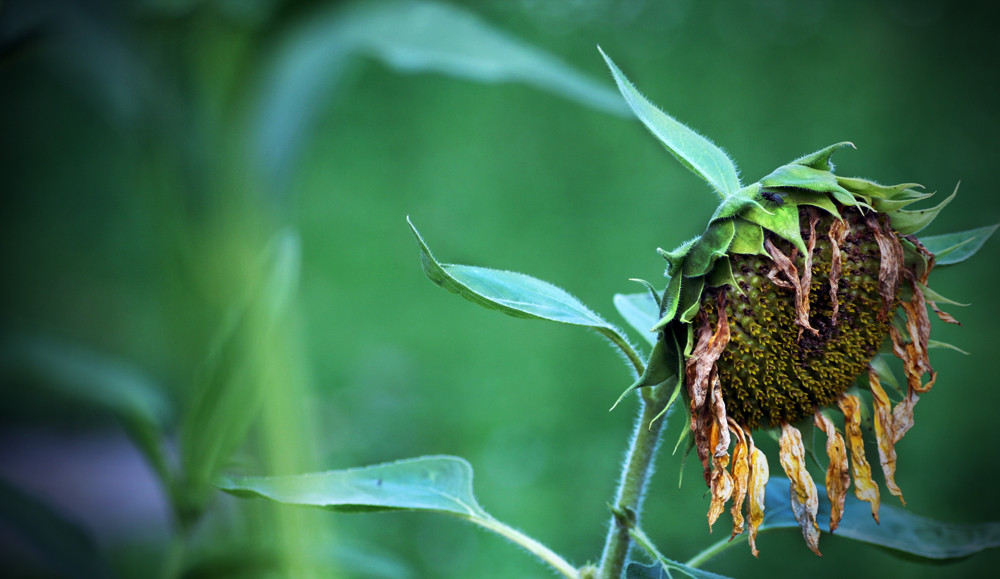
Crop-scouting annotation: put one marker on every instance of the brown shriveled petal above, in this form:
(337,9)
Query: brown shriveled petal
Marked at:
(837,233)
(759,474)
(864,487)
(805,496)
(884,433)
(698,370)
(788,268)
(805,283)
(926,253)
(944,316)
(902,416)
(891,263)
(721,482)
(838,476)
(741,477)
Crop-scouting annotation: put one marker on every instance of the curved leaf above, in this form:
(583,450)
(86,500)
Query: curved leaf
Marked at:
(441,484)
(694,151)
(671,301)
(821,158)
(749,238)
(802,177)
(711,246)
(640,571)
(952,248)
(782,220)
(409,36)
(909,222)
(900,531)
(640,311)
(518,295)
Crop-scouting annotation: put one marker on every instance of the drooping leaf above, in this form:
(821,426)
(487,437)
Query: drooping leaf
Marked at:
(516,295)
(640,311)
(640,571)
(232,379)
(675,259)
(802,177)
(441,484)
(821,159)
(410,36)
(782,220)
(690,303)
(737,203)
(711,246)
(722,274)
(749,238)
(953,248)
(932,296)
(899,530)
(661,368)
(59,542)
(820,200)
(909,222)
(898,202)
(671,302)
(944,346)
(694,151)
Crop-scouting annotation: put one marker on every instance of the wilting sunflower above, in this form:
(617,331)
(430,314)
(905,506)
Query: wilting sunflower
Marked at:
(777,315)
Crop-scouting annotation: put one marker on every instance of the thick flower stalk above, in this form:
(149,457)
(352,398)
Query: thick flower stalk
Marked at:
(777,316)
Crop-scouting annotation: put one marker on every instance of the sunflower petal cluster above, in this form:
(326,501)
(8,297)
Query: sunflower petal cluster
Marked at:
(777,316)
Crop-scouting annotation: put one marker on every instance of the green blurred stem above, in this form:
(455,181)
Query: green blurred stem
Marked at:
(628,502)
(700,559)
(643,541)
(173,563)
(534,547)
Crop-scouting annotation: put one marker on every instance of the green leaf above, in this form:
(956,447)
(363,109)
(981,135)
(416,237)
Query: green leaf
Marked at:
(441,484)
(737,203)
(518,296)
(932,296)
(407,36)
(821,159)
(885,372)
(942,345)
(640,571)
(693,150)
(821,200)
(899,531)
(59,542)
(896,203)
(749,238)
(690,303)
(234,375)
(671,301)
(909,222)
(722,274)
(661,367)
(802,177)
(953,248)
(675,259)
(782,220)
(872,190)
(640,311)
(711,246)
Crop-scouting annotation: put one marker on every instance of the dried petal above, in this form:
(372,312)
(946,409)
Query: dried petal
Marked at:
(902,416)
(741,477)
(864,487)
(759,473)
(837,234)
(721,482)
(944,316)
(788,268)
(805,283)
(926,253)
(699,369)
(805,496)
(884,433)
(838,477)
(891,263)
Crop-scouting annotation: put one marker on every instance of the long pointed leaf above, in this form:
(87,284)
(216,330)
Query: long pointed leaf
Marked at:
(640,311)
(518,295)
(694,151)
(952,248)
(410,37)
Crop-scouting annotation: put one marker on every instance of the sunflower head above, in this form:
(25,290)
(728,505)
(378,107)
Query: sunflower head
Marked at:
(779,313)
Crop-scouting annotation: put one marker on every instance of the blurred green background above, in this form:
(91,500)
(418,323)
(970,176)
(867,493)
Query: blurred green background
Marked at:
(147,189)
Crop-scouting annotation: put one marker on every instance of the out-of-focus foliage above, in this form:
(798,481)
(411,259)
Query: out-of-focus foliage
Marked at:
(153,151)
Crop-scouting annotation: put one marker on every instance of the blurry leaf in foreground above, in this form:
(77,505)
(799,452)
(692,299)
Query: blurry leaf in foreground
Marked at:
(410,37)
(59,542)
(103,382)
(519,296)
(900,532)
(235,372)
(438,484)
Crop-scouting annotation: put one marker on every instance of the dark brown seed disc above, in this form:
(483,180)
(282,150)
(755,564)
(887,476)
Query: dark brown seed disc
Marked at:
(769,374)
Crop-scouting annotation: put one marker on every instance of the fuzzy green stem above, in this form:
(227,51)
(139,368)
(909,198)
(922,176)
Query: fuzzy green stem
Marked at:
(637,468)
(534,547)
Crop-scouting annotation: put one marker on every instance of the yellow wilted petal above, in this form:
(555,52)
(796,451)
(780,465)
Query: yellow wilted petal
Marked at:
(884,431)
(864,487)
(741,477)
(805,496)
(838,477)
(699,371)
(721,482)
(759,473)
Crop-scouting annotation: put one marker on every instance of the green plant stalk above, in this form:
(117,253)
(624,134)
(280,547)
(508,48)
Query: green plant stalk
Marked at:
(534,547)
(631,488)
